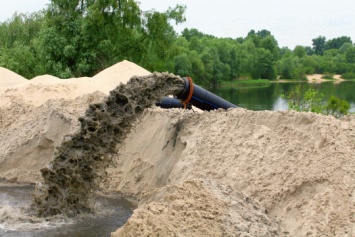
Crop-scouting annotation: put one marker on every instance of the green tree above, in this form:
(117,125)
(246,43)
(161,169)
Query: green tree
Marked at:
(264,67)
(81,38)
(254,37)
(309,50)
(350,55)
(84,37)
(20,59)
(263,33)
(195,44)
(182,65)
(336,43)
(246,59)
(21,28)
(208,64)
(197,67)
(287,67)
(309,64)
(345,47)
(17,43)
(269,43)
(319,45)
(190,33)
(299,51)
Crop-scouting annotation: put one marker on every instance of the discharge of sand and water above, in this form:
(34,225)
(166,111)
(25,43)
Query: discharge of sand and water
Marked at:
(79,163)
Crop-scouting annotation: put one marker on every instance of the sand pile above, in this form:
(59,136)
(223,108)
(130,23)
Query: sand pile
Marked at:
(36,114)
(220,173)
(298,166)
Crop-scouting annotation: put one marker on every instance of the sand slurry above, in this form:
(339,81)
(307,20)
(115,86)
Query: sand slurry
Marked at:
(79,163)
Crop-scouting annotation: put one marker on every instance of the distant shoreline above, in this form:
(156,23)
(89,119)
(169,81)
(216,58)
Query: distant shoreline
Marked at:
(317,78)
(313,78)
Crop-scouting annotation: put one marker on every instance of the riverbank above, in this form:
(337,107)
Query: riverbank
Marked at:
(318,78)
(219,173)
(313,78)
(245,83)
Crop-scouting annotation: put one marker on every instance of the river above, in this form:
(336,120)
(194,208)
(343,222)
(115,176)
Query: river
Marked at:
(111,212)
(269,98)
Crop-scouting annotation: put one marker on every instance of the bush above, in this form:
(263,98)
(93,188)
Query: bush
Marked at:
(348,75)
(328,75)
(312,101)
(337,107)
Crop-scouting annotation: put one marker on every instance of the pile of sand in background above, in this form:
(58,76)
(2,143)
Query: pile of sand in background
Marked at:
(9,78)
(219,173)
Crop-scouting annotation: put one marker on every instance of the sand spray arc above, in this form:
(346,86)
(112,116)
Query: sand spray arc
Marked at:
(80,161)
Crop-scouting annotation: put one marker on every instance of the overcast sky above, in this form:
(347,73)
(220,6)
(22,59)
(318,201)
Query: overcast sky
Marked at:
(292,22)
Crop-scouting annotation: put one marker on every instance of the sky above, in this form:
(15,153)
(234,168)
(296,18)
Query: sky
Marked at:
(292,22)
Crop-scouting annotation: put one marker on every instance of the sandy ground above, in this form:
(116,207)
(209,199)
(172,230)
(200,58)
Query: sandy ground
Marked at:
(220,173)
(317,78)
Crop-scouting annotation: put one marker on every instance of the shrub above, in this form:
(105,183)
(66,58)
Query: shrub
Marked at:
(328,75)
(348,75)
(337,107)
(312,101)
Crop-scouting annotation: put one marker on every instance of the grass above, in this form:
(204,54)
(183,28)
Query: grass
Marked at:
(328,76)
(246,83)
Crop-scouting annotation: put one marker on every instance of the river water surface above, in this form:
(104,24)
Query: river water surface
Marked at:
(269,97)
(111,212)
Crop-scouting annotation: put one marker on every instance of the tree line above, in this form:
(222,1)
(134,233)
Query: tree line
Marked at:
(80,38)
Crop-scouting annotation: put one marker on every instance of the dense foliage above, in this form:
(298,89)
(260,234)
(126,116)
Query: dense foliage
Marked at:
(80,38)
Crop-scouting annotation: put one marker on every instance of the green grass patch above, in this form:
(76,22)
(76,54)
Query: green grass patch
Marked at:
(246,83)
(328,76)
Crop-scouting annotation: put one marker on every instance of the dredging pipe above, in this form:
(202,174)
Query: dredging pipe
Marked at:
(201,98)
(169,103)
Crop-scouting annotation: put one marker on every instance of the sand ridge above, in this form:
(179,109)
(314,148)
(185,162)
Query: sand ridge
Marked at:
(46,87)
(291,163)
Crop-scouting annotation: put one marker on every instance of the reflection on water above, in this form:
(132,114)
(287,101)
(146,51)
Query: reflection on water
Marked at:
(280,104)
(269,98)
(110,213)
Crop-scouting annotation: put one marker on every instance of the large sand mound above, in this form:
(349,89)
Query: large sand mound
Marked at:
(220,173)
